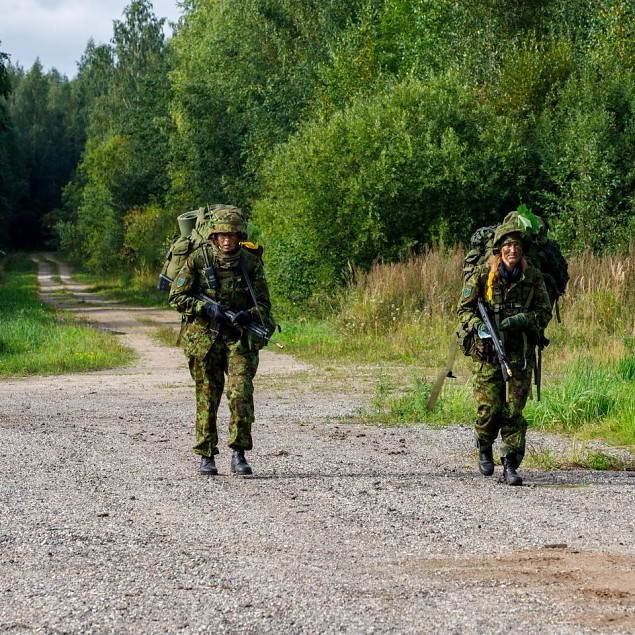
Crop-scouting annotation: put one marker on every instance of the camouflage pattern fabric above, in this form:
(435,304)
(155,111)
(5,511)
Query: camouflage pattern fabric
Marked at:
(216,350)
(227,219)
(231,357)
(232,288)
(498,413)
(495,414)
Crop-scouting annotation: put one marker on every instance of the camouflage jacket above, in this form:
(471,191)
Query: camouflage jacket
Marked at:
(526,295)
(231,291)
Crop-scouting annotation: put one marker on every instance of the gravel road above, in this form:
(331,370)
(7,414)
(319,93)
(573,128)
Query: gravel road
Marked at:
(106,526)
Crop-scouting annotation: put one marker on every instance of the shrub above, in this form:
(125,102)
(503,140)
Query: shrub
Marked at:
(380,179)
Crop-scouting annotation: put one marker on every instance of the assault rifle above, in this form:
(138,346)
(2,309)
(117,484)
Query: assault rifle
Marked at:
(496,341)
(255,329)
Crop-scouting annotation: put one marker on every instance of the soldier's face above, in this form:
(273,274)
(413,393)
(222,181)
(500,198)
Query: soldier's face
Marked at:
(511,253)
(227,242)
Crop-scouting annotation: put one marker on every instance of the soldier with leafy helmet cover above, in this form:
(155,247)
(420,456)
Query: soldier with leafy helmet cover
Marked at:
(515,298)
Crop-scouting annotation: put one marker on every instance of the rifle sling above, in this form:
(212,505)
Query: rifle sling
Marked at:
(243,268)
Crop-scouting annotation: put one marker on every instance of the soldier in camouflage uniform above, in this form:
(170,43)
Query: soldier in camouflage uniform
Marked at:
(213,345)
(516,298)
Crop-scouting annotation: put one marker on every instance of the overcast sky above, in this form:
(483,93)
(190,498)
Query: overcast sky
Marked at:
(57,31)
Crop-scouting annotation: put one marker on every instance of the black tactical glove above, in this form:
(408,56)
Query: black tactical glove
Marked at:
(514,322)
(215,312)
(242,318)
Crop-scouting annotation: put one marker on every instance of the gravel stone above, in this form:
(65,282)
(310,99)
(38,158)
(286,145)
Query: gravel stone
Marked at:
(107,527)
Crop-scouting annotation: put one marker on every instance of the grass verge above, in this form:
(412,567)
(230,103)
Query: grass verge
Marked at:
(130,287)
(592,404)
(37,340)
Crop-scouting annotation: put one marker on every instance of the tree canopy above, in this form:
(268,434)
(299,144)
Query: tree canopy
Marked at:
(348,132)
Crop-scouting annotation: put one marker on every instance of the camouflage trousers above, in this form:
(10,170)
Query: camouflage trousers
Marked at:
(500,407)
(233,358)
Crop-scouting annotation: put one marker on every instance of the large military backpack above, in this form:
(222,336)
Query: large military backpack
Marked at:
(191,236)
(480,249)
(544,252)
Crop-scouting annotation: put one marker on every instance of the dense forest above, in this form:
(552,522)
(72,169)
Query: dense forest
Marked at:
(350,132)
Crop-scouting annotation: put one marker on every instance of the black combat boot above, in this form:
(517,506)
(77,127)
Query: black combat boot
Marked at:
(486,461)
(239,463)
(208,466)
(510,476)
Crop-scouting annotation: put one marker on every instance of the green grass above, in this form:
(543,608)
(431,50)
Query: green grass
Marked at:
(325,340)
(592,398)
(580,455)
(127,288)
(36,340)
(394,404)
(310,338)
(166,335)
(593,402)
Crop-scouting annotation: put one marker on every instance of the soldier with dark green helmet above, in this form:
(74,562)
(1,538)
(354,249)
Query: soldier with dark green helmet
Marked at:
(217,348)
(515,296)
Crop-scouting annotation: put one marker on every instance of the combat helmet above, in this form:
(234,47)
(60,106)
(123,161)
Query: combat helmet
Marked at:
(227,219)
(530,224)
(509,229)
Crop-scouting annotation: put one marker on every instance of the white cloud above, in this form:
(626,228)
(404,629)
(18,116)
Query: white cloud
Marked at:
(57,31)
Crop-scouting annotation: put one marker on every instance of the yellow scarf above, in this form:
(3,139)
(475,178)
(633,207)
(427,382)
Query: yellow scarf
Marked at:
(489,293)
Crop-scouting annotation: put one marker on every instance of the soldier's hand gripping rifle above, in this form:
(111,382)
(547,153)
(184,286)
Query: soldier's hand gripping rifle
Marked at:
(496,341)
(257,330)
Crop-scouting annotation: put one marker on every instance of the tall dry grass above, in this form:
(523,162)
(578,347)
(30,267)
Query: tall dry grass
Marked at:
(403,310)
(614,272)
(420,288)
(411,305)
(600,298)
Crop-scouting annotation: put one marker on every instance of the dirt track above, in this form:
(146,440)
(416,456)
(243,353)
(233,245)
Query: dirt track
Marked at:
(106,527)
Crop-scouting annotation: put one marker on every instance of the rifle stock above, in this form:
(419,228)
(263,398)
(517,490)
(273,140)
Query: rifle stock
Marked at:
(496,341)
(445,372)
(255,329)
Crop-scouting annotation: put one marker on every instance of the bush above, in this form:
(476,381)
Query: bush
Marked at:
(147,230)
(380,179)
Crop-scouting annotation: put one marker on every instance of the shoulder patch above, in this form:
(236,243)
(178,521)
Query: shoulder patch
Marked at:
(180,282)
(467,292)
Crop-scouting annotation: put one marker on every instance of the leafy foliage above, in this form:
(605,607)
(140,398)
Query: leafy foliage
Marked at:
(245,73)
(381,178)
(124,163)
(11,175)
(352,133)
(42,109)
